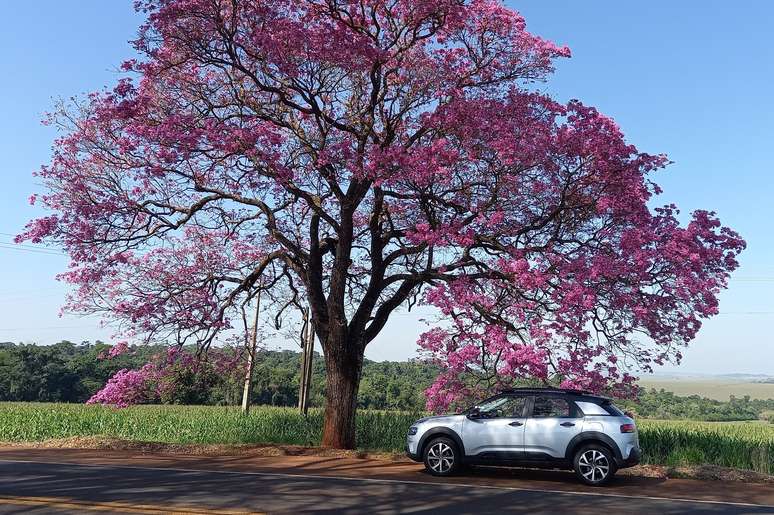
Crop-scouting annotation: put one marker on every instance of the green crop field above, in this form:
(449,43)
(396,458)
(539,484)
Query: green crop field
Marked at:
(718,389)
(745,445)
(34,422)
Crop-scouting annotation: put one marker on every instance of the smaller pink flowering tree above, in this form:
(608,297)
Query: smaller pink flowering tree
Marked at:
(176,376)
(128,387)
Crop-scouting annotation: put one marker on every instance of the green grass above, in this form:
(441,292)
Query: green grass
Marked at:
(744,445)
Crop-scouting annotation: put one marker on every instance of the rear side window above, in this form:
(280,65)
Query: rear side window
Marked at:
(605,408)
(613,410)
(550,407)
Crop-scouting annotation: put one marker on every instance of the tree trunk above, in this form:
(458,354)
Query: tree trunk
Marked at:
(343,364)
(247,391)
(304,357)
(308,367)
(307,355)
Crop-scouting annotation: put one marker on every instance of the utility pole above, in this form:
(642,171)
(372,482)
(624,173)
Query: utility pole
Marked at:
(307,356)
(248,388)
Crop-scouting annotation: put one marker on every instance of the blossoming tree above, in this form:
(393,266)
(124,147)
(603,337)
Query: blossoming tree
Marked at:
(172,377)
(366,155)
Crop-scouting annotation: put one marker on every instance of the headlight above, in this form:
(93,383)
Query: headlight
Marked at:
(412,430)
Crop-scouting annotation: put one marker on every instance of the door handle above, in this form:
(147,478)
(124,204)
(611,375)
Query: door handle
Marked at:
(516,423)
(567,424)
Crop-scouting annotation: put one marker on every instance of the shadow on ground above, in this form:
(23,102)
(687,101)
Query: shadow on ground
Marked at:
(275,493)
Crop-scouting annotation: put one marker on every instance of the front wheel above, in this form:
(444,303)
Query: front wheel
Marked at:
(594,465)
(441,457)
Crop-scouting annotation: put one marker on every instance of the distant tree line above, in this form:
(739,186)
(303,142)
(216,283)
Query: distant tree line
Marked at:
(64,372)
(662,404)
(70,372)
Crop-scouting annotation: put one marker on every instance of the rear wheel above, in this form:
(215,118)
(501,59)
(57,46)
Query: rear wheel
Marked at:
(441,457)
(594,464)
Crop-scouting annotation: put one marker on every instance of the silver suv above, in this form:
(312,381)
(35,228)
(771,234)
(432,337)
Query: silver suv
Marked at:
(533,427)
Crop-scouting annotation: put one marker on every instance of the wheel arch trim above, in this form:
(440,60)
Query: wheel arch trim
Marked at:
(440,431)
(592,437)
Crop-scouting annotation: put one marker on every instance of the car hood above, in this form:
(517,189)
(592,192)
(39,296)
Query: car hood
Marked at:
(439,419)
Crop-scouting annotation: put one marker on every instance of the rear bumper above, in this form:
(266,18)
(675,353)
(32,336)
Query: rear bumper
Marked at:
(633,459)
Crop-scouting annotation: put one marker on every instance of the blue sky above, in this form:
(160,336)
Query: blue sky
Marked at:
(692,79)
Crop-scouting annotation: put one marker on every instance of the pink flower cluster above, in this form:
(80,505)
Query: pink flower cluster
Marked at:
(128,387)
(160,378)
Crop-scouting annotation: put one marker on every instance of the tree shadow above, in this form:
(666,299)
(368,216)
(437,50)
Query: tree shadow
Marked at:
(266,493)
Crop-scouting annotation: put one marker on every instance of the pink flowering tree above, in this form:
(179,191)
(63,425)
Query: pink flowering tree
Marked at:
(363,156)
(177,376)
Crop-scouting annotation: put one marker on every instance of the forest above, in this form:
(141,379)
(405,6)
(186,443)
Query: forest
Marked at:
(73,372)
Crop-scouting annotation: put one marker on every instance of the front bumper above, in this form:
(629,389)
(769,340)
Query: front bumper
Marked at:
(411,448)
(411,455)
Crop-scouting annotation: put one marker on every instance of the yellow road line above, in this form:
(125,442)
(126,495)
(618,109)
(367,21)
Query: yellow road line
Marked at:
(73,504)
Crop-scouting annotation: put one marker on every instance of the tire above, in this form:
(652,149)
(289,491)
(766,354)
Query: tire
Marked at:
(441,456)
(594,464)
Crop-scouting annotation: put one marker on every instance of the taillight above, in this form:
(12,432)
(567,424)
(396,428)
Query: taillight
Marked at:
(628,428)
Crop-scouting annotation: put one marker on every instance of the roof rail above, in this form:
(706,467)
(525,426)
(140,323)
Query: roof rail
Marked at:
(547,389)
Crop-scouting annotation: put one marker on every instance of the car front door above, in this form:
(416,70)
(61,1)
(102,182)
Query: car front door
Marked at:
(552,423)
(497,429)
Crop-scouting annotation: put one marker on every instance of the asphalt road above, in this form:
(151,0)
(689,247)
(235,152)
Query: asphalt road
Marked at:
(40,487)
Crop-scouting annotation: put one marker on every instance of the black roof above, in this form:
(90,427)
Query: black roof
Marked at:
(549,389)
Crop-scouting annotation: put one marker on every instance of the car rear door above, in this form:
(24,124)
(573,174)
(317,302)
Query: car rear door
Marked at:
(553,422)
(498,432)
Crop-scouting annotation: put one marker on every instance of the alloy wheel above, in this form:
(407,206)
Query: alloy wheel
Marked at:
(594,466)
(440,457)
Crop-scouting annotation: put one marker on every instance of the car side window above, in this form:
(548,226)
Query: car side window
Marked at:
(504,407)
(514,408)
(551,407)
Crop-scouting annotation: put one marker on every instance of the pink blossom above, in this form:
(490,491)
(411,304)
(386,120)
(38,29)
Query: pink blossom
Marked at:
(118,349)
(126,387)
(158,379)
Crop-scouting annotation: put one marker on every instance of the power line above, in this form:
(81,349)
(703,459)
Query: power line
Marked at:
(746,313)
(20,243)
(32,248)
(24,298)
(46,328)
(27,290)
(7,246)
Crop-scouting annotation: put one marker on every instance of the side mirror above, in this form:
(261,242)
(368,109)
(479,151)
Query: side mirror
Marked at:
(474,413)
